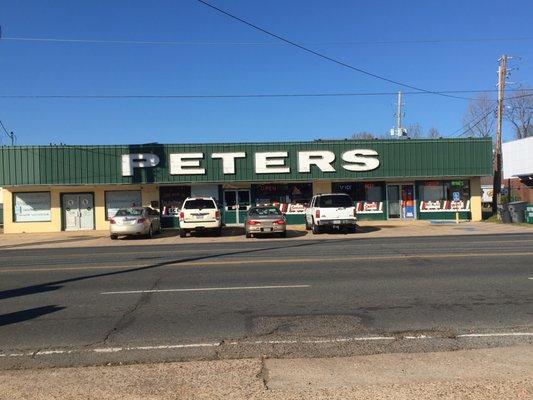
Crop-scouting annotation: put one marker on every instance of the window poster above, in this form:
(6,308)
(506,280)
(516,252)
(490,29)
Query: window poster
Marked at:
(32,207)
(117,199)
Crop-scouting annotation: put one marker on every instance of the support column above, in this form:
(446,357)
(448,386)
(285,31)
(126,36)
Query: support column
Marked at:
(320,187)
(475,199)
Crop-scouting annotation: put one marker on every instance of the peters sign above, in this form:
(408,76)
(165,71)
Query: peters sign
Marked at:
(274,162)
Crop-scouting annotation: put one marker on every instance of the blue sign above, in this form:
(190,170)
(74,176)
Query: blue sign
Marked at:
(456,196)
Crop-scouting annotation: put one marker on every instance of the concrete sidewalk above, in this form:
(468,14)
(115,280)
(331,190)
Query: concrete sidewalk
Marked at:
(502,373)
(368,229)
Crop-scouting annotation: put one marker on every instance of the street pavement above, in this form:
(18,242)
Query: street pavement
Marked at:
(280,298)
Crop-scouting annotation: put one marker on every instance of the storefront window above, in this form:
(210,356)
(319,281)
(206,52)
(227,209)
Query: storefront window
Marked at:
(291,198)
(367,196)
(444,195)
(171,199)
(116,199)
(32,207)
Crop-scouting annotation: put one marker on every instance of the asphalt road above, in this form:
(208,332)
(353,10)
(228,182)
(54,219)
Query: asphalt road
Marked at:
(275,297)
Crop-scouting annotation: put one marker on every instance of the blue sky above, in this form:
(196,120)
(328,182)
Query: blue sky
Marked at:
(45,68)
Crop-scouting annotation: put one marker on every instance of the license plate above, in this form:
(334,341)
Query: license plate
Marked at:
(199,216)
(267,229)
(336,222)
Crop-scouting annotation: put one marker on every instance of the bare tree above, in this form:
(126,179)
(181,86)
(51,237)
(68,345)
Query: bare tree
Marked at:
(414,130)
(433,133)
(478,120)
(519,112)
(363,135)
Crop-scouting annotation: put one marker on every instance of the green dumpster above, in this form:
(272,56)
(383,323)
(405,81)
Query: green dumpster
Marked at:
(529,214)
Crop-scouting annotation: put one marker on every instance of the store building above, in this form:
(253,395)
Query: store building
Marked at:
(518,169)
(54,188)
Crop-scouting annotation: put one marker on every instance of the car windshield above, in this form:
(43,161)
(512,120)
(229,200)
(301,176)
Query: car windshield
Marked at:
(254,212)
(335,201)
(126,212)
(199,204)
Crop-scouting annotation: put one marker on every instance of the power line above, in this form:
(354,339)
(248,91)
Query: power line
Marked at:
(237,96)
(4,128)
(469,127)
(325,57)
(199,43)
(10,135)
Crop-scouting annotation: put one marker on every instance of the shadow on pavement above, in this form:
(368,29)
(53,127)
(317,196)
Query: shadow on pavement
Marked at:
(55,285)
(25,315)
(71,239)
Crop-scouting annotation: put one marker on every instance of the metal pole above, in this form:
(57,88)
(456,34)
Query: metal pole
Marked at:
(399,115)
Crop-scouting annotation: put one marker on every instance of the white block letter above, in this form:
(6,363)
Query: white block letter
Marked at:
(228,160)
(143,160)
(360,160)
(186,164)
(322,159)
(271,163)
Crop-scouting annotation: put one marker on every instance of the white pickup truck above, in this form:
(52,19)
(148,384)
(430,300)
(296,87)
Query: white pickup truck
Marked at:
(332,210)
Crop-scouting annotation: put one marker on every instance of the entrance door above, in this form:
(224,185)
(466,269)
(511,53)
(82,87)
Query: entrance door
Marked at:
(236,205)
(78,211)
(401,200)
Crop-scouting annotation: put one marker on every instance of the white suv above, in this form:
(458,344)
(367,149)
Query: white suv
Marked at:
(333,210)
(199,214)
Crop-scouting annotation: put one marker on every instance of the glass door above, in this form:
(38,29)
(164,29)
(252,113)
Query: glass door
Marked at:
(393,197)
(401,199)
(408,201)
(236,205)
(230,207)
(243,197)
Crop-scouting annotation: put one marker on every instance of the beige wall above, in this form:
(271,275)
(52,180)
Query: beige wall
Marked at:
(320,187)
(149,193)
(475,199)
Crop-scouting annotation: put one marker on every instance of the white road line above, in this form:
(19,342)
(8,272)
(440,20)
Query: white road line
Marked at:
(209,289)
(479,335)
(104,350)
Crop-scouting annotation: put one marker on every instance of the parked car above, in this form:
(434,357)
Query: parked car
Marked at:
(334,210)
(265,221)
(200,214)
(135,221)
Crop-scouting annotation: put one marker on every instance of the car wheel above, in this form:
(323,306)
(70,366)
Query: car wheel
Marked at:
(218,232)
(307,227)
(248,235)
(160,229)
(150,233)
(183,233)
(113,237)
(283,234)
(315,229)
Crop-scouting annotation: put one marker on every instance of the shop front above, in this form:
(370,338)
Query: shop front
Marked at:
(53,188)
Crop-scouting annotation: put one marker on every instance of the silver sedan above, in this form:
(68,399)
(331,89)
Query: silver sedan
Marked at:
(135,221)
(265,221)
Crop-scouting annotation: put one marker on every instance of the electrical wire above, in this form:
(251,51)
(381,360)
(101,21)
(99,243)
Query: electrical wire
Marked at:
(332,43)
(325,57)
(236,96)
(4,128)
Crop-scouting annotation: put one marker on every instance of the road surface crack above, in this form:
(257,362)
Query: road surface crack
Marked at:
(125,319)
(263,373)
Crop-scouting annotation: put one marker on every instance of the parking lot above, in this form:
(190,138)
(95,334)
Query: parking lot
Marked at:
(367,229)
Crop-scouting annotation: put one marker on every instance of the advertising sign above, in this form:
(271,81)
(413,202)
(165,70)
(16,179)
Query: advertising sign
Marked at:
(32,207)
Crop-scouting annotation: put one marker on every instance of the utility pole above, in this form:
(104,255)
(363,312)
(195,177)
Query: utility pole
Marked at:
(12,137)
(398,131)
(497,162)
